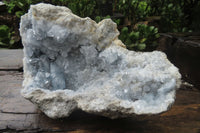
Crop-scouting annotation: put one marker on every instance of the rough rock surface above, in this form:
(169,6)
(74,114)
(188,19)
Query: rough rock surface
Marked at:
(74,63)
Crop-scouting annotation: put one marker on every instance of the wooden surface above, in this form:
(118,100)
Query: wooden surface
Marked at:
(11,59)
(19,115)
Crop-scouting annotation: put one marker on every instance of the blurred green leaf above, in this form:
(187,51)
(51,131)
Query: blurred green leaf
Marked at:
(157,35)
(170,5)
(19,13)
(134,35)
(143,40)
(128,41)
(6,36)
(4,31)
(117,21)
(12,42)
(98,19)
(141,46)
(124,30)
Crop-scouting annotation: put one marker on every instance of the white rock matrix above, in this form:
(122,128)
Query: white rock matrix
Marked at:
(73,63)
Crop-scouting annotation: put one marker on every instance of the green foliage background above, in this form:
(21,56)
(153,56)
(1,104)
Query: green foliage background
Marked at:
(174,16)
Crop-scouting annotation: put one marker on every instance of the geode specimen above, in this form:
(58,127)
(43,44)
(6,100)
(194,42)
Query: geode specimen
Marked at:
(74,63)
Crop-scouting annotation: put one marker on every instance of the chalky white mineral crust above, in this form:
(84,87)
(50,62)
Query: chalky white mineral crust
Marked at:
(74,63)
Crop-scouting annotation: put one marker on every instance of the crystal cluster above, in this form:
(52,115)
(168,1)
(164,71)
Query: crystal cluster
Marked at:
(74,63)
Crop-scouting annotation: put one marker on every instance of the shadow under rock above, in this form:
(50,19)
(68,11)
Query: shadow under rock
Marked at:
(80,120)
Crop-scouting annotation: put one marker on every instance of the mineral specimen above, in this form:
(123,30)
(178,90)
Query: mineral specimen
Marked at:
(74,63)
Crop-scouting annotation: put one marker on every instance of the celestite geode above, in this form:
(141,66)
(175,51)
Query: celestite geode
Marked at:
(74,63)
